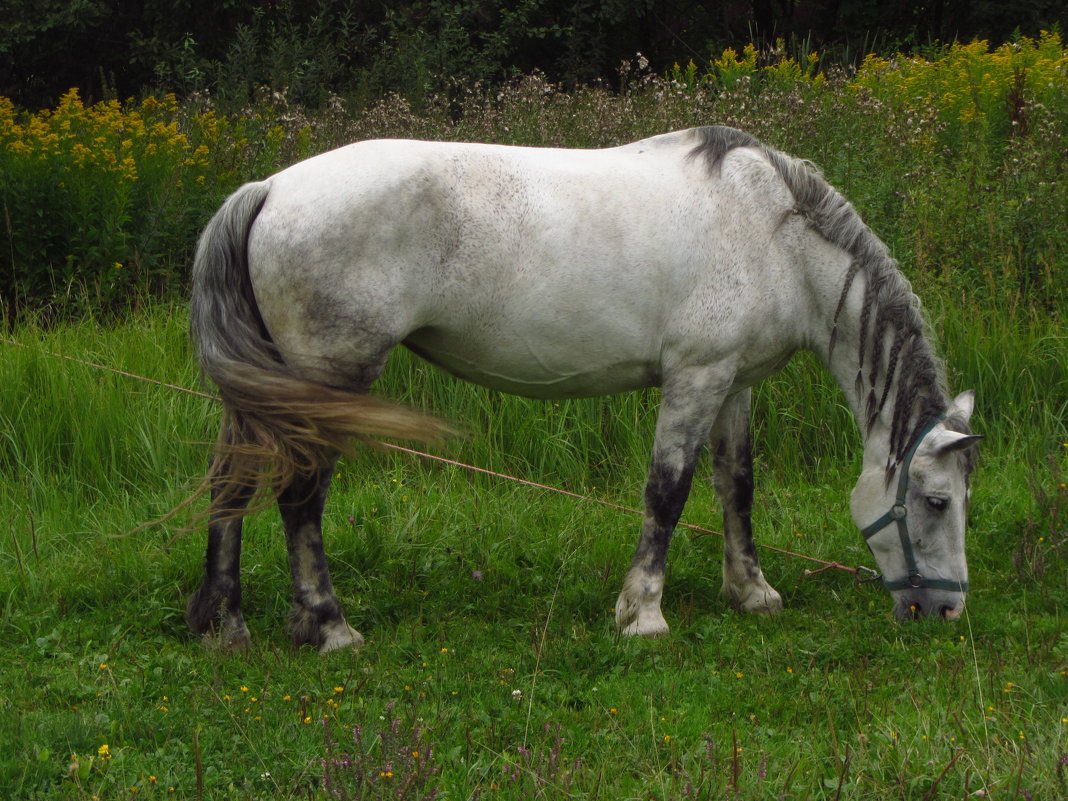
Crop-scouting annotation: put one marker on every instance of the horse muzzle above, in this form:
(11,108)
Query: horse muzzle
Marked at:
(918,603)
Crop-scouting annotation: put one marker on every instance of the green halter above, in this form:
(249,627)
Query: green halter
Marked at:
(898,513)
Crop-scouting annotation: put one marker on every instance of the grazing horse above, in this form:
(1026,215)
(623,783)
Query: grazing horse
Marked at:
(697,261)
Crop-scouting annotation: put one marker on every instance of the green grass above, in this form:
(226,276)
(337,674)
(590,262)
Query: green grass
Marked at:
(487,605)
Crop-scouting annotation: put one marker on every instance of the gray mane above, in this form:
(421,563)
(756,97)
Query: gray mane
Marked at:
(890,308)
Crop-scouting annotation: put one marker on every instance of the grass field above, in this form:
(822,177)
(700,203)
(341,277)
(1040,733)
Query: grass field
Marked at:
(492,669)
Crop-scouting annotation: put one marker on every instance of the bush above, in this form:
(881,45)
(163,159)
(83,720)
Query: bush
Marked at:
(102,204)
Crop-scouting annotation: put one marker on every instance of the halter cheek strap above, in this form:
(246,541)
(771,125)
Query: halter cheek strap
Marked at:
(898,514)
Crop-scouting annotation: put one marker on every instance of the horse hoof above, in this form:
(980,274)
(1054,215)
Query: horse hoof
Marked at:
(228,640)
(649,633)
(645,624)
(759,601)
(339,637)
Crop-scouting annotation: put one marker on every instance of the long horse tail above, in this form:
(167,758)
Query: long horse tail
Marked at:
(277,426)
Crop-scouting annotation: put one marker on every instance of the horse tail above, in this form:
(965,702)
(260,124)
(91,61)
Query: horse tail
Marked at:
(277,427)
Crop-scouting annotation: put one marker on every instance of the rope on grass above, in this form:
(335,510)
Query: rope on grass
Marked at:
(862,574)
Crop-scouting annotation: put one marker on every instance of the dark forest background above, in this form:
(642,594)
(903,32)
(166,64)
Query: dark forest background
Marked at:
(354,48)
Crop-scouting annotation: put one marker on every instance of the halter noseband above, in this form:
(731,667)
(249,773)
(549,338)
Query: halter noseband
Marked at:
(898,513)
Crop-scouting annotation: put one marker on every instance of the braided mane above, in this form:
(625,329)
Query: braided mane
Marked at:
(895,361)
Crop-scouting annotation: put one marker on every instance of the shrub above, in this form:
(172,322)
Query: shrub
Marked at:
(102,204)
(88,196)
(975,93)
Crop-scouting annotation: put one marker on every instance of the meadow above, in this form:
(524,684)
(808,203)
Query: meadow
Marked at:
(492,669)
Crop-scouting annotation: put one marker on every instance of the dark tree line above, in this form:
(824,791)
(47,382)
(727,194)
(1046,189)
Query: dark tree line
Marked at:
(312,47)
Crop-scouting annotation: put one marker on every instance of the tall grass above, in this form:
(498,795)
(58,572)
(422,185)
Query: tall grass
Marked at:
(487,607)
(68,418)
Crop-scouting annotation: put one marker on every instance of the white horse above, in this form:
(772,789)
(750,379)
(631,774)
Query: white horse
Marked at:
(697,261)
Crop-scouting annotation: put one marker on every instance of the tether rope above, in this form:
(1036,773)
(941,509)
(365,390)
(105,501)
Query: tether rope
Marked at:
(858,572)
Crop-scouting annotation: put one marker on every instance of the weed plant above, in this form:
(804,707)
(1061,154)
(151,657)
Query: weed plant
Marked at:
(492,670)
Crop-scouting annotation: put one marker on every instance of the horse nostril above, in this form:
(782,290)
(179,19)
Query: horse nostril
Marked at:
(950,613)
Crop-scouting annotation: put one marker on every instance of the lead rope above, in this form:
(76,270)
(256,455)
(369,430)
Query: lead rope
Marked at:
(863,575)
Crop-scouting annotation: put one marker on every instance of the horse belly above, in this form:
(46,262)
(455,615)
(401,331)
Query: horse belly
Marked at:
(548,363)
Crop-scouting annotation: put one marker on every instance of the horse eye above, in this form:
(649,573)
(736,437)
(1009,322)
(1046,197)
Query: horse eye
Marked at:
(936,503)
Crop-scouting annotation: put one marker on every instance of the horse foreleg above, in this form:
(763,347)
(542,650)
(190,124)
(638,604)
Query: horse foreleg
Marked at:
(214,610)
(686,411)
(744,584)
(316,618)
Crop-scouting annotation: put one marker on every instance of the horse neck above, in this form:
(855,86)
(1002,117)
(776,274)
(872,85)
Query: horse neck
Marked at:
(838,343)
(845,366)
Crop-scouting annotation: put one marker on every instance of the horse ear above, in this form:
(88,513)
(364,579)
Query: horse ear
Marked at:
(948,441)
(963,405)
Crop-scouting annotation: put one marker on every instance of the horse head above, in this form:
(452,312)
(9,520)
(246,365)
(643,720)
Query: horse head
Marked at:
(915,524)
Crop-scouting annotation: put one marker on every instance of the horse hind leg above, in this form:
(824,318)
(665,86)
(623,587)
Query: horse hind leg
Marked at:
(316,618)
(214,610)
(744,584)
